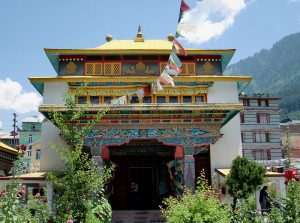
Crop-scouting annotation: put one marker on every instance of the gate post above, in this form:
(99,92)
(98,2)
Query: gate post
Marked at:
(189,168)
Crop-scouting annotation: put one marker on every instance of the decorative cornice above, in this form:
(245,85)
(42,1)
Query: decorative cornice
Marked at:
(144,79)
(150,107)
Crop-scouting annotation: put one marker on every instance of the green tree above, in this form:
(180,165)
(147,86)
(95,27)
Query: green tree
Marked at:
(204,206)
(244,177)
(80,195)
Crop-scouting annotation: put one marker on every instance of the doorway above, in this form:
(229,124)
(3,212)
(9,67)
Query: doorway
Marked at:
(141,178)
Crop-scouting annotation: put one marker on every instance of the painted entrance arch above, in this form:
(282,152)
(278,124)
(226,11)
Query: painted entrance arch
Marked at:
(189,136)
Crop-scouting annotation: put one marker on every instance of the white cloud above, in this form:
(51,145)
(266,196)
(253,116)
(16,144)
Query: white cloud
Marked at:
(1,125)
(210,18)
(12,96)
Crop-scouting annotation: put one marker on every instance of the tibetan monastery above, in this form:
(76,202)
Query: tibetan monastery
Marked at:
(161,140)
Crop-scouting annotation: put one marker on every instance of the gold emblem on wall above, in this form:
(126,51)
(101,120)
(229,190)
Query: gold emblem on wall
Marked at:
(140,68)
(208,68)
(71,68)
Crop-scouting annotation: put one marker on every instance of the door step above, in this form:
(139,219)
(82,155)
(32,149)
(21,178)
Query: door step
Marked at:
(137,216)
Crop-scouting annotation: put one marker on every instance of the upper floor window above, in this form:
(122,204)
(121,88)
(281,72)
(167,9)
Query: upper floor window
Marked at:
(30,138)
(263,118)
(261,137)
(147,99)
(246,102)
(94,99)
(107,99)
(173,99)
(242,117)
(187,99)
(243,136)
(38,154)
(32,128)
(161,99)
(134,100)
(81,99)
(199,99)
(261,154)
(263,103)
(29,152)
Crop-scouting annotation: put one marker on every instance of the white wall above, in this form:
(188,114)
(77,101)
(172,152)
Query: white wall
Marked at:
(53,92)
(50,161)
(228,147)
(223,92)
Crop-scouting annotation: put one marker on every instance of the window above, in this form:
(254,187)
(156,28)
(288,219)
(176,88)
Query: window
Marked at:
(30,138)
(107,99)
(29,151)
(243,136)
(263,103)
(38,154)
(261,154)
(32,128)
(173,99)
(134,100)
(242,117)
(246,102)
(147,99)
(261,137)
(161,99)
(187,99)
(199,99)
(94,100)
(263,118)
(82,100)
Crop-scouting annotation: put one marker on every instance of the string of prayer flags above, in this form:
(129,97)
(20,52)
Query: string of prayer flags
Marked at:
(166,79)
(175,60)
(180,48)
(130,95)
(183,8)
(159,87)
(140,93)
(119,101)
(171,69)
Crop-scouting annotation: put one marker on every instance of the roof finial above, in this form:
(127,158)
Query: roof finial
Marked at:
(139,36)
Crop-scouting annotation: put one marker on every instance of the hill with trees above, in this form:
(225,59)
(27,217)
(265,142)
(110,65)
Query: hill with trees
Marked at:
(275,71)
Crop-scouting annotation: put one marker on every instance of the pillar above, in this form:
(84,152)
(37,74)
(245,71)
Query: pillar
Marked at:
(50,191)
(189,168)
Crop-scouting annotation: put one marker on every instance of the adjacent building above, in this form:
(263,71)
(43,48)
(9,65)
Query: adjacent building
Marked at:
(10,138)
(260,131)
(290,137)
(30,135)
(7,156)
(177,130)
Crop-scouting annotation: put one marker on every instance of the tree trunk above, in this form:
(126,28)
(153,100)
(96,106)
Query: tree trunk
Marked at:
(234,203)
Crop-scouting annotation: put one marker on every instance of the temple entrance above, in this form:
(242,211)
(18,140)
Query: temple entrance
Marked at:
(141,178)
(202,163)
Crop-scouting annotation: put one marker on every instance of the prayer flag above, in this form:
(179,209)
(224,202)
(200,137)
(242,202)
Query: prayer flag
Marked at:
(166,78)
(170,71)
(159,87)
(130,95)
(183,7)
(140,93)
(175,60)
(122,100)
(181,50)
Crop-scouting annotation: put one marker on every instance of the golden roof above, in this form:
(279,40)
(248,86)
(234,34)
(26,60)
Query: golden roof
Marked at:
(8,149)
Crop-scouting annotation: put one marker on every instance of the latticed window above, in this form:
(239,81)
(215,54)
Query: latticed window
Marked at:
(188,69)
(112,68)
(93,69)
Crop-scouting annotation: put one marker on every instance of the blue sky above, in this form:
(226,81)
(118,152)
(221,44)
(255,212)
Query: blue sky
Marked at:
(29,26)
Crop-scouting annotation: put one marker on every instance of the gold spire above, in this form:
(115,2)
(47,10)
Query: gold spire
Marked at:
(139,36)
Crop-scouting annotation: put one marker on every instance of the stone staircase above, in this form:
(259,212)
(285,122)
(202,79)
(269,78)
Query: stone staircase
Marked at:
(137,216)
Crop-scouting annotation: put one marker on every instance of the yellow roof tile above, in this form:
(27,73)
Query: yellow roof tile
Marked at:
(7,148)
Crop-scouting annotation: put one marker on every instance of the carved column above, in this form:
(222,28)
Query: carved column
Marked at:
(97,155)
(189,168)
